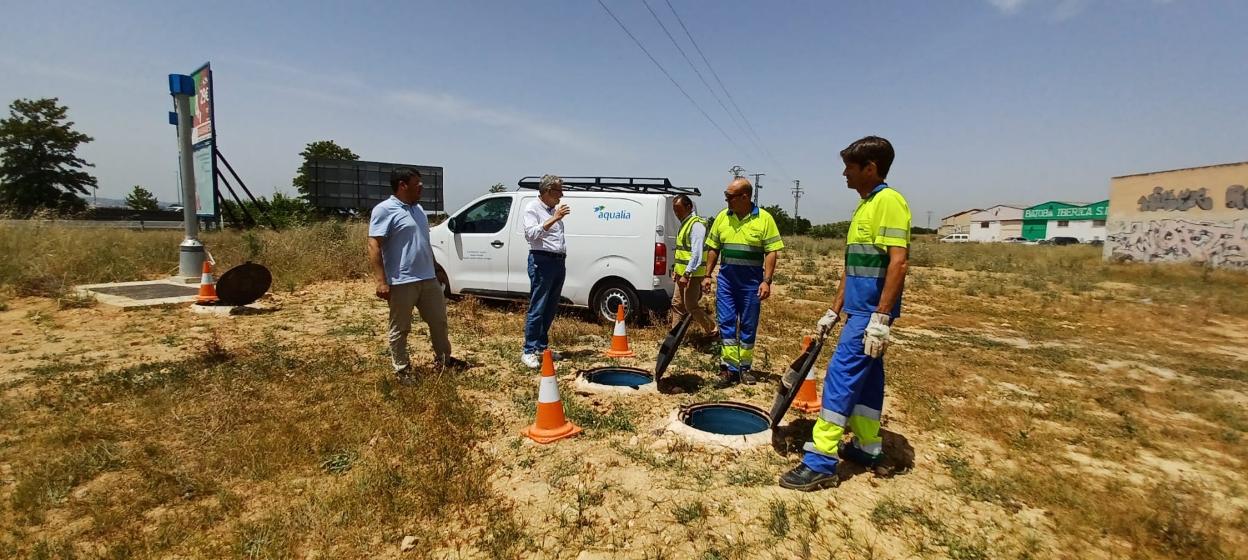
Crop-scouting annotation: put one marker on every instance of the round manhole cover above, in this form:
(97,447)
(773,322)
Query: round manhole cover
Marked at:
(243,284)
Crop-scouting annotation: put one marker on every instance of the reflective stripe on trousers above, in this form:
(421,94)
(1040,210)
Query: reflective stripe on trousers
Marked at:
(853,396)
(736,310)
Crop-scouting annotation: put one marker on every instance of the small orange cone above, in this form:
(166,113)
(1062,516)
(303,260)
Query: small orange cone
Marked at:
(207,287)
(550,425)
(807,399)
(619,340)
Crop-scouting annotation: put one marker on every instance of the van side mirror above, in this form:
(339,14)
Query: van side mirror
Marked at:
(453,224)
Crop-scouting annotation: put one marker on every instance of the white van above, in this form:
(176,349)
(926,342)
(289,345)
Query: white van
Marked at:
(956,238)
(621,234)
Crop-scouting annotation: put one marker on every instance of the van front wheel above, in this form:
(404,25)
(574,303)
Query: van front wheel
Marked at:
(612,294)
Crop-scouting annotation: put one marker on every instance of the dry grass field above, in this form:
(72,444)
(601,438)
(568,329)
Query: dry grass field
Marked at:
(1041,404)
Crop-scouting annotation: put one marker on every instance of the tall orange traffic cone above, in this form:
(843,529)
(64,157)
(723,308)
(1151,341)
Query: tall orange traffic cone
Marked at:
(619,339)
(807,399)
(207,287)
(550,425)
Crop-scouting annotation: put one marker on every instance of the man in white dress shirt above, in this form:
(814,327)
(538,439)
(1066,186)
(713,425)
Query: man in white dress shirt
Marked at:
(543,229)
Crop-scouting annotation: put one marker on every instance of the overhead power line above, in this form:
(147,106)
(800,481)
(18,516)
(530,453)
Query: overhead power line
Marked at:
(721,85)
(701,77)
(670,78)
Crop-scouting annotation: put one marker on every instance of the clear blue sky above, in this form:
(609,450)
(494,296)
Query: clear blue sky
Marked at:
(987,101)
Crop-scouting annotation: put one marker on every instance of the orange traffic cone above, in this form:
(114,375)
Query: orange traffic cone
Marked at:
(207,287)
(550,425)
(619,339)
(807,399)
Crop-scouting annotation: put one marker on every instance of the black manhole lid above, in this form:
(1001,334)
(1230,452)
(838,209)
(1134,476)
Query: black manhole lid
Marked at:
(667,350)
(243,284)
(791,382)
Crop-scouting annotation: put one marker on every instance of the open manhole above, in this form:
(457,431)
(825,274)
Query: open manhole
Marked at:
(727,424)
(615,380)
(726,418)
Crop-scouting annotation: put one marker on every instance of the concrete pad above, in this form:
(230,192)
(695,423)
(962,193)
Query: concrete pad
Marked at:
(140,295)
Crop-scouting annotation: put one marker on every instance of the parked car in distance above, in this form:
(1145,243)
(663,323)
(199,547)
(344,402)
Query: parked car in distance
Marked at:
(956,238)
(1014,240)
(1064,241)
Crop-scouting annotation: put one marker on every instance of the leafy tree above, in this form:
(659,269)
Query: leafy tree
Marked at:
(497,187)
(321,149)
(39,167)
(286,211)
(787,224)
(142,199)
(837,230)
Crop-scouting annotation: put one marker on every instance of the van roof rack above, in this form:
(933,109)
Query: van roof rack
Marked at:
(650,185)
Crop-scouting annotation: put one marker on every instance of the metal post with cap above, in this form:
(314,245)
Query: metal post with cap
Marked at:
(191,251)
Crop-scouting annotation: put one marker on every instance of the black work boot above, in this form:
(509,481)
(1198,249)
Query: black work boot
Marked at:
(405,377)
(807,480)
(727,378)
(849,452)
(748,377)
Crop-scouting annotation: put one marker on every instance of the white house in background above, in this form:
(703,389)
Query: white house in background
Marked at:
(996,224)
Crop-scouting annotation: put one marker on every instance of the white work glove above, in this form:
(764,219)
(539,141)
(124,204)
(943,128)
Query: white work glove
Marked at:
(825,324)
(875,337)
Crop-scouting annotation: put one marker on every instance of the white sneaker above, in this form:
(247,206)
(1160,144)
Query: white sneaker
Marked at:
(532,360)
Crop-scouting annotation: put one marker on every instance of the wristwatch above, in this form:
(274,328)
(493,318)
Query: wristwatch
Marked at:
(767,280)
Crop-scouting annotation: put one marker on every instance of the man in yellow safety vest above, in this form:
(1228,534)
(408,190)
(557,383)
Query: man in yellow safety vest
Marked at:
(746,241)
(690,269)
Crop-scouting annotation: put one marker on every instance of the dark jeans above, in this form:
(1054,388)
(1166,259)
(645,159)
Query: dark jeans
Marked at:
(546,273)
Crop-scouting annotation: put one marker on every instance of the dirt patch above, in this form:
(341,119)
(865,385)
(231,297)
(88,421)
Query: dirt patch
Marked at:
(1015,422)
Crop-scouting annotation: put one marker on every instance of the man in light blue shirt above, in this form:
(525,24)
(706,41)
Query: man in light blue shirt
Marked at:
(401,260)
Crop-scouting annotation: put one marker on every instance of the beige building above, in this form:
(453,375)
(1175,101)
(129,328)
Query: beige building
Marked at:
(1198,214)
(956,223)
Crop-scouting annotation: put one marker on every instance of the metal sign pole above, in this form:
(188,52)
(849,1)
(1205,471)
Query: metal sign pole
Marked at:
(191,251)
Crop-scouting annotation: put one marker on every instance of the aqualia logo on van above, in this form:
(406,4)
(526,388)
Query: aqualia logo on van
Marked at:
(608,215)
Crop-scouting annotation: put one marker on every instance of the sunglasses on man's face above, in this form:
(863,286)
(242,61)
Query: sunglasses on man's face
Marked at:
(730,196)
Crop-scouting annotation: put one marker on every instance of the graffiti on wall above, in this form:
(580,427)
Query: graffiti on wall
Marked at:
(1185,200)
(1237,197)
(1222,244)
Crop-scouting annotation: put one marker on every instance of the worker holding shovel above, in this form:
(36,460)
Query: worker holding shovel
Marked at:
(876,252)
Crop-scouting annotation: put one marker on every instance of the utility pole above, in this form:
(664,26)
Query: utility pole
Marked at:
(191,251)
(736,171)
(929,219)
(757,187)
(797,194)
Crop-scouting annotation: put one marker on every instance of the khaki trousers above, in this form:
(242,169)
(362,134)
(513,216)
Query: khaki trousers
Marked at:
(426,296)
(685,302)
